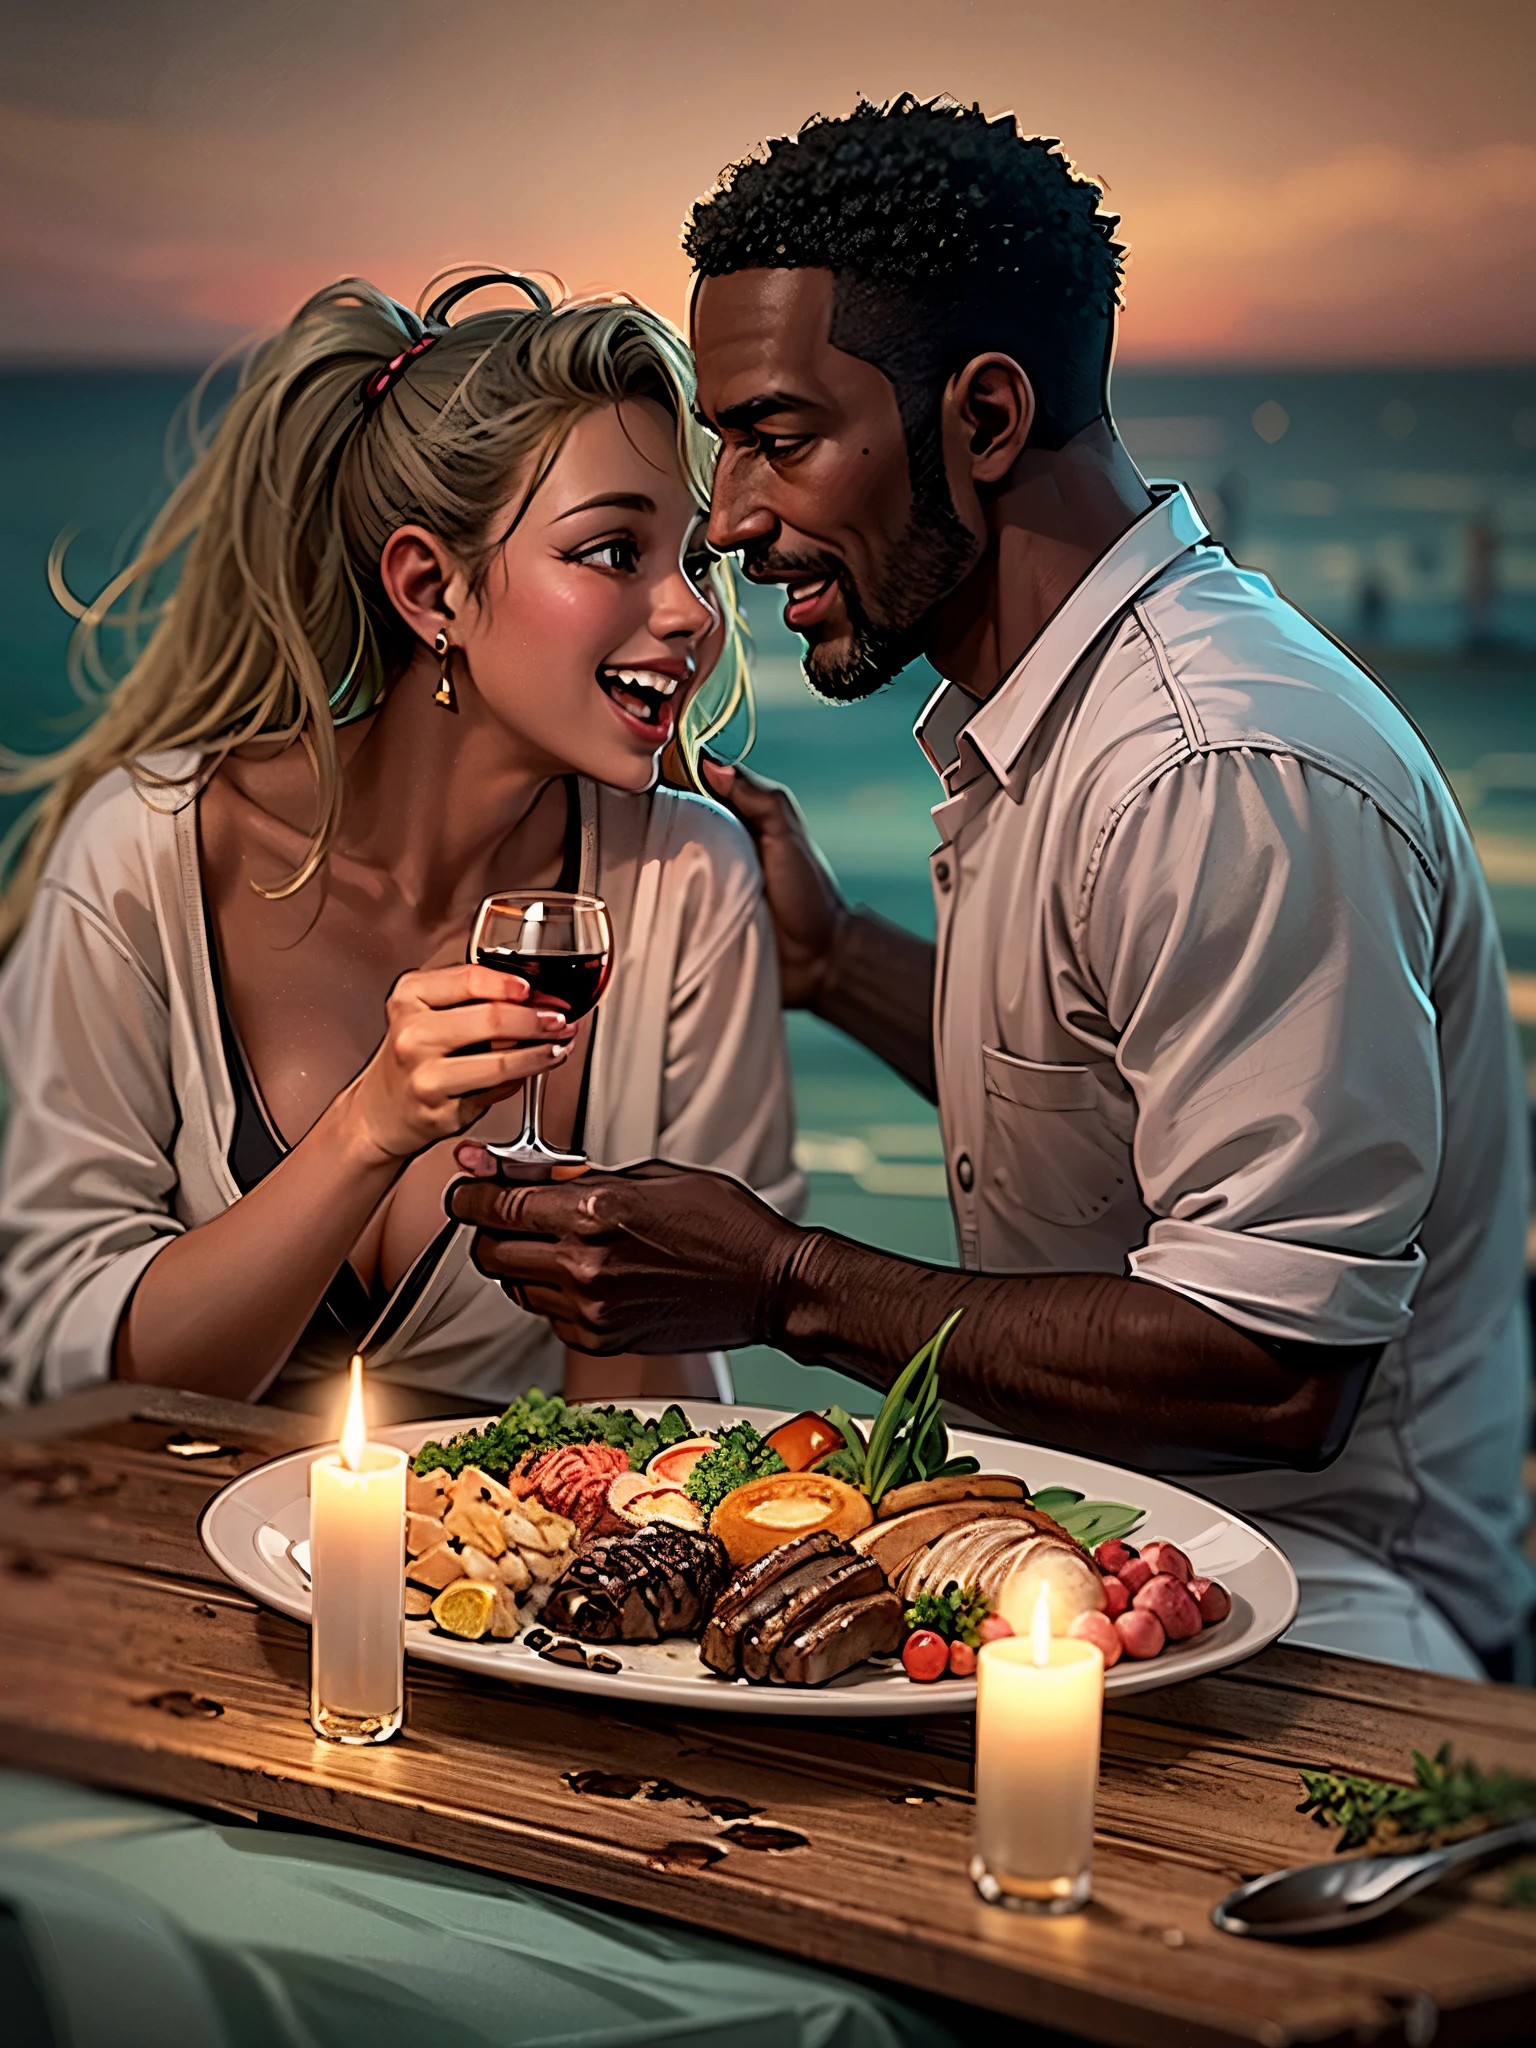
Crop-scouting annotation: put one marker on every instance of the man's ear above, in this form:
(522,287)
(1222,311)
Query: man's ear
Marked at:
(991,407)
(420,578)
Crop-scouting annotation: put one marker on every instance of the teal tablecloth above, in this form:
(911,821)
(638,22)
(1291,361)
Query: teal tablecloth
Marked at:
(130,1925)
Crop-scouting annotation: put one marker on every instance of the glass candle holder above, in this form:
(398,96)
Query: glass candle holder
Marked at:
(1037,1770)
(357,1594)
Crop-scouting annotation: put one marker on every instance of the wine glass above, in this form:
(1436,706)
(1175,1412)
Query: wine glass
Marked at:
(562,946)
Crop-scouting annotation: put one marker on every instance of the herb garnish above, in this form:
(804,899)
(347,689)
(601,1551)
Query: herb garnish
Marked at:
(1446,1800)
(908,1439)
(543,1422)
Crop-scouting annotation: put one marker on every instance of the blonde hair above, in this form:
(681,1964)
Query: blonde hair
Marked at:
(278,627)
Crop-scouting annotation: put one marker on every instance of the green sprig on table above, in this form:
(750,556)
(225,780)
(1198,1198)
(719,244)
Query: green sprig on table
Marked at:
(1448,1799)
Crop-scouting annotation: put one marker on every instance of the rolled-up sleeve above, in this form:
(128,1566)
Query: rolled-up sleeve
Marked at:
(1263,937)
(86,1181)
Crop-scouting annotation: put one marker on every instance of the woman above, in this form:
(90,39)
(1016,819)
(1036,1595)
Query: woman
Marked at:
(445,603)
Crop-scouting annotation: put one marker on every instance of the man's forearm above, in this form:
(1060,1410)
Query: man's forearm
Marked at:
(878,988)
(1098,1363)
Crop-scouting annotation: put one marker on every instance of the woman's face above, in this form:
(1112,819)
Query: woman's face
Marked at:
(596,621)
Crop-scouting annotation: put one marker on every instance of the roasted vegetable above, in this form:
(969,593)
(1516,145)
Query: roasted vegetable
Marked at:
(740,1455)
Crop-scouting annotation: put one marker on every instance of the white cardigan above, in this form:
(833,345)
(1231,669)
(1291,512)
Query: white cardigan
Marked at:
(122,1108)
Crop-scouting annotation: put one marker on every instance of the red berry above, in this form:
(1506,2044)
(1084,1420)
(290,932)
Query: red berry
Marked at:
(1134,1575)
(1167,1557)
(1140,1633)
(1099,1630)
(994,1628)
(962,1660)
(1213,1600)
(925,1655)
(1168,1598)
(1116,1597)
(1111,1555)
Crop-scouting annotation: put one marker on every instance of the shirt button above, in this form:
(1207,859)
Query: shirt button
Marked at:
(941,875)
(965,1172)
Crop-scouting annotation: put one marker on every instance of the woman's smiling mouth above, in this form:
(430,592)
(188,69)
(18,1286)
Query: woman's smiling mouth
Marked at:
(642,699)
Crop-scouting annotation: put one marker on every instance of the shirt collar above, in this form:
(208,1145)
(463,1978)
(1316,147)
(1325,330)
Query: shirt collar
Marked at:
(998,730)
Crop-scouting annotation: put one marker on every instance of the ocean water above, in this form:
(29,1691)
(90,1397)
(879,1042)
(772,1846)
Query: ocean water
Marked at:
(1399,508)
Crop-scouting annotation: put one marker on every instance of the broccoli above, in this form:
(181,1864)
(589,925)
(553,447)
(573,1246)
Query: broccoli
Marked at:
(739,1455)
(542,1422)
(956,1614)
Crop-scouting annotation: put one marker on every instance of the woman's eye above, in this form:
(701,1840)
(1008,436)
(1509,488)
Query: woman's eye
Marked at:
(619,555)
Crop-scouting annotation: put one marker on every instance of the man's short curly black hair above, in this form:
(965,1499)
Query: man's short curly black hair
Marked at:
(934,217)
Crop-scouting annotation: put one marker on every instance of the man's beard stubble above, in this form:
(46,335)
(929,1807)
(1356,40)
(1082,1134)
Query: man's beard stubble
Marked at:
(934,554)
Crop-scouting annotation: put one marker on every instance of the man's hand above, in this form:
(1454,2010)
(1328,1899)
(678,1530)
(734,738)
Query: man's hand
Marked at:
(803,897)
(656,1258)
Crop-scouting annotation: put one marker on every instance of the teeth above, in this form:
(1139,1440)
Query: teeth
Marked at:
(799,592)
(645,679)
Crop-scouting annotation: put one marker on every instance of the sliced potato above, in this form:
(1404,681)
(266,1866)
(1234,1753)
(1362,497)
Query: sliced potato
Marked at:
(421,1532)
(418,1602)
(478,1566)
(520,1529)
(473,1484)
(513,1572)
(427,1493)
(437,1567)
(476,1521)
(505,1619)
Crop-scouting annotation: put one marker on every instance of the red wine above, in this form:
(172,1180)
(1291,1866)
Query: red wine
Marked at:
(574,981)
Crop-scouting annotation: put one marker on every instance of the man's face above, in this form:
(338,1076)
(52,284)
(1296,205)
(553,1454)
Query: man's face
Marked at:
(813,483)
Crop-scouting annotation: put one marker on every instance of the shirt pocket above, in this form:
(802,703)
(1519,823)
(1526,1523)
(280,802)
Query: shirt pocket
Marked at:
(1049,1146)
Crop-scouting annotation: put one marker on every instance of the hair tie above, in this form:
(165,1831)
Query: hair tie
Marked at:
(379,385)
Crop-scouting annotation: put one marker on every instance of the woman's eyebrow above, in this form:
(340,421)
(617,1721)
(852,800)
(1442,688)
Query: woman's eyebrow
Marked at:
(621,501)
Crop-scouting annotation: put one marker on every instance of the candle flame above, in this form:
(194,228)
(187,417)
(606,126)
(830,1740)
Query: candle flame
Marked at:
(1040,1630)
(354,1429)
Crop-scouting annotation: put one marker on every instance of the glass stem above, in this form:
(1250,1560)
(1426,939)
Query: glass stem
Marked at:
(533,1103)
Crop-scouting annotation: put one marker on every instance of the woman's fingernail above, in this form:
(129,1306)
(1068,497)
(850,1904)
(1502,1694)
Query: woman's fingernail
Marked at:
(558,1052)
(551,1019)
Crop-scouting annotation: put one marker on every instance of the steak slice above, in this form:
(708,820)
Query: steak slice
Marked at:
(841,1579)
(839,1639)
(722,1645)
(752,1578)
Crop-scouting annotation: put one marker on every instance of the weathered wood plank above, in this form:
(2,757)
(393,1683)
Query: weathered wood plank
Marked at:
(879,1886)
(104,1582)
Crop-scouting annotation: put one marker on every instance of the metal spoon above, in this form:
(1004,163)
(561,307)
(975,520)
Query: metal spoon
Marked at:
(1321,1898)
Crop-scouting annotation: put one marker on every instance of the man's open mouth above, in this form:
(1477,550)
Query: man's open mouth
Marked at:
(808,601)
(641,692)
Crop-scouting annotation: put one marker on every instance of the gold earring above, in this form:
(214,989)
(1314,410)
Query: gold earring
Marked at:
(443,694)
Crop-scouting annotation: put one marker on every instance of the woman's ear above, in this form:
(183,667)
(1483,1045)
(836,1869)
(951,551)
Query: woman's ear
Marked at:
(991,407)
(418,575)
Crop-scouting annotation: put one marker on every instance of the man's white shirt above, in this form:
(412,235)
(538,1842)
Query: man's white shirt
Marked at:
(1220,1004)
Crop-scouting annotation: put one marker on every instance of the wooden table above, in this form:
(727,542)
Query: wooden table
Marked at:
(127,1661)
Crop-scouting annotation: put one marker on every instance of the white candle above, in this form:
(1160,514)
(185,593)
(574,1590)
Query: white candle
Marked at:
(1039,1706)
(357,1584)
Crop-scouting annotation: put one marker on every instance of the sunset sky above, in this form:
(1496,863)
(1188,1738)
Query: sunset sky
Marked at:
(1300,181)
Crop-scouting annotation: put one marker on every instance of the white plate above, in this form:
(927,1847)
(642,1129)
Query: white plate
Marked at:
(250,1529)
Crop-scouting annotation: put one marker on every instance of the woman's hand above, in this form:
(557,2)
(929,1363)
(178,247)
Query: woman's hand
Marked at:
(423,1085)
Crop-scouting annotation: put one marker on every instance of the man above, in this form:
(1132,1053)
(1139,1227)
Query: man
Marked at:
(1216,1023)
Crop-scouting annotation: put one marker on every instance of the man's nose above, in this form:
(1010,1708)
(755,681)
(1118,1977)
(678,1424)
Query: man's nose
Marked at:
(737,514)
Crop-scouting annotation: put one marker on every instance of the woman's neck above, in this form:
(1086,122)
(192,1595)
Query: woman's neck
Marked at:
(439,799)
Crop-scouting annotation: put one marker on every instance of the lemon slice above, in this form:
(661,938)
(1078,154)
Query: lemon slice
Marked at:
(464,1608)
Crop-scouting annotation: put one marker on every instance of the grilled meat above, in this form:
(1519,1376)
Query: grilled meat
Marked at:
(636,1588)
(801,1615)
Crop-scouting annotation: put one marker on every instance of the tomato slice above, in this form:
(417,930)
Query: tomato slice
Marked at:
(804,1439)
